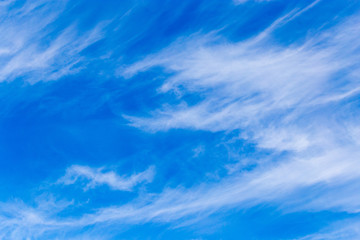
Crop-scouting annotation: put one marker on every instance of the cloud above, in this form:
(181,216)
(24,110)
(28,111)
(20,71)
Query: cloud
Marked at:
(279,98)
(275,95)
(274,184)
(98,176)
(246,82)
(21,221)
(31,49)
(282,98)
(348,229)
(245,1)
(271,184)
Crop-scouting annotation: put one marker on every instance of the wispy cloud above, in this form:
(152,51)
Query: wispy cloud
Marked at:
(24,52)
(348,229)
(20,221)
(281,98)
(245,1)
(260,186)
(245,83)
(273,184)
(95,177)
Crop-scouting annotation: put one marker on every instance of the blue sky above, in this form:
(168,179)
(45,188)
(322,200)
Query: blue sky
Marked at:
(191,119)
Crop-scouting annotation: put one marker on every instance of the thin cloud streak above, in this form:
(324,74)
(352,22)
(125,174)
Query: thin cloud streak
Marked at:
(260,186)
(277,97)
(245,84)
(348,229)
(98,176)
(22,51)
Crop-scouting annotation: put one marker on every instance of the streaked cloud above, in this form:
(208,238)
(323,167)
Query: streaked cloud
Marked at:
(348,229)
(288,108)
(95,177)
(24,51)
(248,82)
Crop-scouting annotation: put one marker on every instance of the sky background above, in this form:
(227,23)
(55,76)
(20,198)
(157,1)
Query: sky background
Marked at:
(181,119)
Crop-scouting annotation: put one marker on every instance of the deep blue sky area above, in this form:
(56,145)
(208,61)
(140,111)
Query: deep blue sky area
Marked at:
(231,119)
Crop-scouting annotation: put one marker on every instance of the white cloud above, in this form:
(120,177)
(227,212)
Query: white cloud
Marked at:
(98,176)
(31,48)
(348,229)
(245,1)
(21,221)
(243,84)
(282,99)
(274,184)
(279,97)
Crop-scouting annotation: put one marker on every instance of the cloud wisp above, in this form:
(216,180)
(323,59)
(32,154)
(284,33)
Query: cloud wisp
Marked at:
(23,50)
(244,83)
(172,205)
(295,102)
(95,177)
(339,230)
